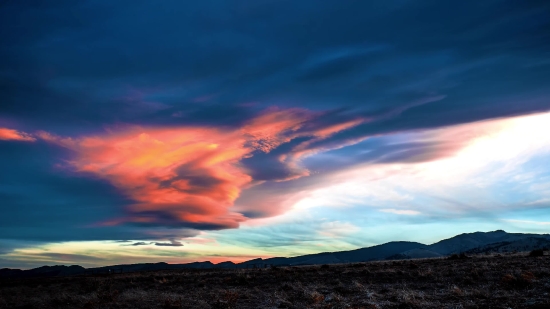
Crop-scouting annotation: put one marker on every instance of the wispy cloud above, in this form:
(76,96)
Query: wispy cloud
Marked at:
(139,243)
(14,135)
(406,212)
(191,176)
(337,229)
(541,201)
(172,243)
(527,222)
(182,138)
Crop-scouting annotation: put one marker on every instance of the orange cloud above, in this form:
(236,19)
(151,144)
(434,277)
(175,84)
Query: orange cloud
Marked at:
(10,134)
(276,127)
(188,176)
(306,148)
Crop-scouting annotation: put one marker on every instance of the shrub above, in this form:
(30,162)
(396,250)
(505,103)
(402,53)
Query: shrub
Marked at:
(460,256)
(227,301)
(522,280)
(317,297)
(536,252)
(172,303)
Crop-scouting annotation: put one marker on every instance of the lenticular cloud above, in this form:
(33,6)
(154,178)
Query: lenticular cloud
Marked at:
(191,176)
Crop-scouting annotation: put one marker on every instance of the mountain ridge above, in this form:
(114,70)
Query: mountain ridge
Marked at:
(477,242)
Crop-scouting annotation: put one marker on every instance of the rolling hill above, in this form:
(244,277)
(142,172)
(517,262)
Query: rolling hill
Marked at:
(471,243)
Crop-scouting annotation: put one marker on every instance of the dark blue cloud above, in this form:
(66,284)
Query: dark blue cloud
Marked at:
(172,243)
(74,67)
(44,202)
(37,198)
(77,61)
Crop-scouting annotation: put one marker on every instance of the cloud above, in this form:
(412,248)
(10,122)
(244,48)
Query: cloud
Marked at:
(364,60)
(191,176)
(187,175)
(275,127)
(293,104)
(172,243)
(527,222)
(139,243)
(405,212)
(542,201)
(68,257)
(489,167)
(30,259)
(178,180)
(337,229)
(49,202)
(14,135)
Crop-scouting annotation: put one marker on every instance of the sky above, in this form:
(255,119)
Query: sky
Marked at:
(176,131)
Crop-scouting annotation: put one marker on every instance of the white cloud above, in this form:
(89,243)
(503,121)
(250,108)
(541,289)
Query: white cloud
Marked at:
(527,222)
(337,229)
(406,212)
(492,155)
(539,201)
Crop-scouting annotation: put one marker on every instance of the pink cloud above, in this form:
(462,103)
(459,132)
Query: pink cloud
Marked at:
(183,175)
(191,175)
(14,135)
(276,127)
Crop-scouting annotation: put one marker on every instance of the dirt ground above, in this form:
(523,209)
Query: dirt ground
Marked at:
(509,281)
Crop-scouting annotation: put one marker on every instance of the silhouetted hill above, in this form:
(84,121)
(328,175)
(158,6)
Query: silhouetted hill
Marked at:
(468,241)
(227,264)
(373,253)
(478,242)
(524,244)
(44,271)
(378,252)
(417,253)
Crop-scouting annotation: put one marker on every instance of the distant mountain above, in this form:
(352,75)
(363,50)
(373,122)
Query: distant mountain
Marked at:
(524,244)
(321,259)
(373,253)
(417,253)
(44,271)
(378,252)
(470,243)
(12,273)
(149,267)
(130,267)
(227,264)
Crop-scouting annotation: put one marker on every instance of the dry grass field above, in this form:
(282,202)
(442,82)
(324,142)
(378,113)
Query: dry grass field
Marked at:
(509,281)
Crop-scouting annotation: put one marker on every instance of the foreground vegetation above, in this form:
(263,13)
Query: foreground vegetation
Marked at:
(508,281)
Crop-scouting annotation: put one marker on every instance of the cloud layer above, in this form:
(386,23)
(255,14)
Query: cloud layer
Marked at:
(191,176)
(153,122)
(14,135)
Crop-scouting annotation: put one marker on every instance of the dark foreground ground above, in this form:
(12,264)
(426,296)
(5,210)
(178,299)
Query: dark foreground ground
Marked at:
(510,281)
